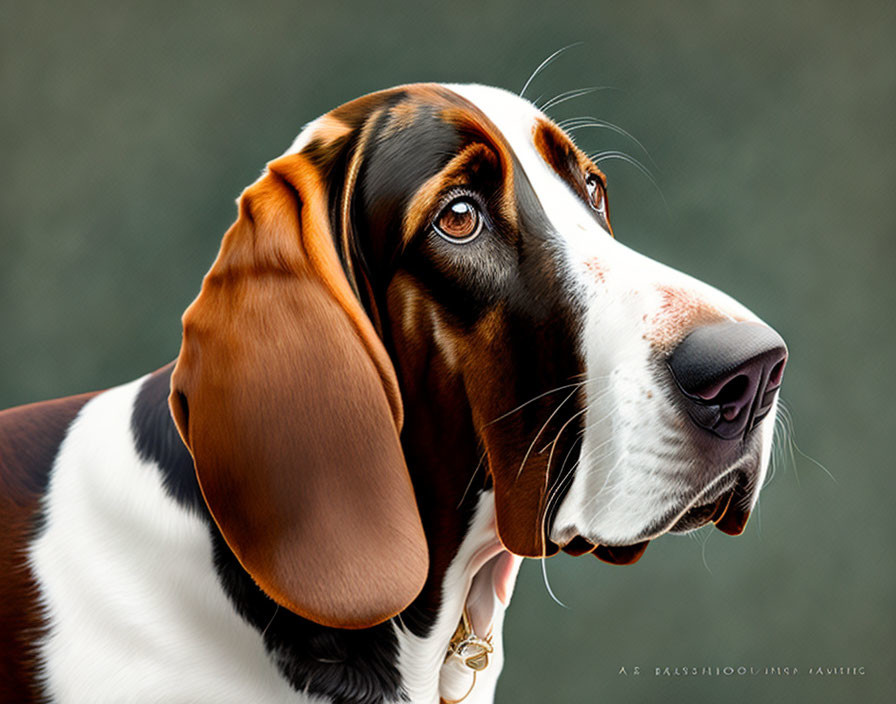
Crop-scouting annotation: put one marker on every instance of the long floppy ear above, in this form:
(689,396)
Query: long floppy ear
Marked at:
(290,407)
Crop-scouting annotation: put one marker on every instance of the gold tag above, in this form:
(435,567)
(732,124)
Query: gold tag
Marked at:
(477,662)
(472,650)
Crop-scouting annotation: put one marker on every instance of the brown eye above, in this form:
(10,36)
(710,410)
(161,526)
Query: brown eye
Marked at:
(459,221)
(597,197)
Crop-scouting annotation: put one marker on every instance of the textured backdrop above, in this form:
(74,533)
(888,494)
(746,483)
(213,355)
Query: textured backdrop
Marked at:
(128,130)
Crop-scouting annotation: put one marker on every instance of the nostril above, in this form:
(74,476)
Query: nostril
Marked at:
(730,392)
(777,373)
(732,396)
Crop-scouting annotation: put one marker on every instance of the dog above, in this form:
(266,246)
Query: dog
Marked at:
(419,357)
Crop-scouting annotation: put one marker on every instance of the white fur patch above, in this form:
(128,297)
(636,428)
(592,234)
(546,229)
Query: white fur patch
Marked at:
(135,610)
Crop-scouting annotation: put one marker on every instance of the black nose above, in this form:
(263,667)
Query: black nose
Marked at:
(729,374)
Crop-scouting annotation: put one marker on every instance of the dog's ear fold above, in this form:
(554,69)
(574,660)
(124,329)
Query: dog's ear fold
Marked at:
(289,404)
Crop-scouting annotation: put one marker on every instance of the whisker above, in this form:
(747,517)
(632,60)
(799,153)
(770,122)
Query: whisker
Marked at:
(594,122)
(593,455)
(612,154)
(703,552)
(603,394)
(562,477)
(544,64)
(472,477)
(544,575)
(797,447)
(788,421)
(814,461)
(541,430)
(779,444)
(551,459)
(273,615)
(532,400)
(572,95)
(606,485)
(557,488)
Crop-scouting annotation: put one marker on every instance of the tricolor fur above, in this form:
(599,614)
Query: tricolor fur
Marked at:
(368,425)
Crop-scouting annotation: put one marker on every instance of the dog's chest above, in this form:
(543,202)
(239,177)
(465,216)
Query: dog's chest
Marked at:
(139,609)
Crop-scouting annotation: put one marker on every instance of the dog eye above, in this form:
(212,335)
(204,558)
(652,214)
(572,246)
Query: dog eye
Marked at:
(597,197)
(460,221)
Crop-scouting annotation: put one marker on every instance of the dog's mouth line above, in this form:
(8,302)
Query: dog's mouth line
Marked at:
(726,511)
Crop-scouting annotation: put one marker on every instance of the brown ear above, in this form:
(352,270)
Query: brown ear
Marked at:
(289,405)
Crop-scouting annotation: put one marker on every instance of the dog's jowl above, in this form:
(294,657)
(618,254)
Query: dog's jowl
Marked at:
(419,357)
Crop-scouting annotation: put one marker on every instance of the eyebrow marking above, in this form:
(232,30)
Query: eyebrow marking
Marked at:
(456,172)
(470,117)
(569,162)
(562,154)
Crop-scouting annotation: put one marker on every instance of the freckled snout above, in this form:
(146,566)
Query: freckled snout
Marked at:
(728,374)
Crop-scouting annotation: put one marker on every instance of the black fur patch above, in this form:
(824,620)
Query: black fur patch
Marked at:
(157,440)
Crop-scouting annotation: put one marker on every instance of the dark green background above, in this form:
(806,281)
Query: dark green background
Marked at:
(128,130)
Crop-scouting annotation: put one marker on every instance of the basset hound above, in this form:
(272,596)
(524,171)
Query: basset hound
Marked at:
(419,357)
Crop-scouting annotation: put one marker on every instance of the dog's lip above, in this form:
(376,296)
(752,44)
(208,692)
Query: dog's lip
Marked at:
(725,512)
(621,554)
(614,554)
(732,519)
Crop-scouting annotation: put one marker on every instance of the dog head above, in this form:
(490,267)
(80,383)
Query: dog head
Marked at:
(441,257)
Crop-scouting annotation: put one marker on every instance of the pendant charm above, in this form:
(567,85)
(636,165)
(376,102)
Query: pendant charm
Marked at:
(474,652)
(469,648)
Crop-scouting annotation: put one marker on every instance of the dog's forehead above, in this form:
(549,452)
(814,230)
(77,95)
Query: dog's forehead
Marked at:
(515,118)
(507,121)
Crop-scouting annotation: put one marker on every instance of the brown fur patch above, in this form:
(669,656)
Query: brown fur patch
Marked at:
(446,482)
(470,118)
(280,370)
(491,326)
(557,149)
(29,440)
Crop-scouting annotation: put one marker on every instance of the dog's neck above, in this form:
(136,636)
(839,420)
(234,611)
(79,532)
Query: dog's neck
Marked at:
(478,583)
(469,569)
(403,657)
